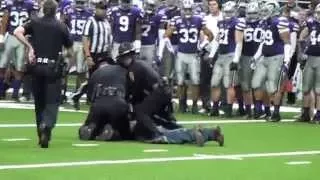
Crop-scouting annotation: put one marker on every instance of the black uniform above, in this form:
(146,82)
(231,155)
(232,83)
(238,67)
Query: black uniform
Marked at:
(48,36)
(107,90)
(149,95)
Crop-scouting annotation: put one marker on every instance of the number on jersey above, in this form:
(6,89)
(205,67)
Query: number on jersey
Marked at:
(251,34)
(189,35)
(124,23)
(18,18)
(145,30)
(314,38)
(223,36)
(268,39)
(77,26)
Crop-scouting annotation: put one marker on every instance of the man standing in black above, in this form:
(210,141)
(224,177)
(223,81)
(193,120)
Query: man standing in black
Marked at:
(48,36)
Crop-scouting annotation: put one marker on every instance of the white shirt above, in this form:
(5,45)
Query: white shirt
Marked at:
(212,23)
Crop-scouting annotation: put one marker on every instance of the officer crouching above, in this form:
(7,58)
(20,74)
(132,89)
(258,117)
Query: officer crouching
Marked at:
(108,115)
(48,37)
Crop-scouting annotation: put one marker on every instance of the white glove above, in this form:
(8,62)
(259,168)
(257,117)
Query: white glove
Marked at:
(137,45)
(1,38)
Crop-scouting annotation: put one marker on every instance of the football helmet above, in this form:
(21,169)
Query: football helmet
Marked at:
(229,9)
(150,6)
(187,8)
(317,12)
(125,4)
(252,12)
(270,8)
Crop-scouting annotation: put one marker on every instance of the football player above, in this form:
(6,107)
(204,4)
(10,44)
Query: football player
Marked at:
(253,36)
(275,50)
(76,18)
(188,27)
(311,73)
(229,42)
(126,25)
(16,13)
(150,27)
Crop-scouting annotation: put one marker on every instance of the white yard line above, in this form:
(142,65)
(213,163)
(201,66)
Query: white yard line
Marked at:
(155,160)
(179,122)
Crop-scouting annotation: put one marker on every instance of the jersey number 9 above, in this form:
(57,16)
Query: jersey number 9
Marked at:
(124,23)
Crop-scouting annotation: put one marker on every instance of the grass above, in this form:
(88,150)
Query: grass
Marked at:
(240,139)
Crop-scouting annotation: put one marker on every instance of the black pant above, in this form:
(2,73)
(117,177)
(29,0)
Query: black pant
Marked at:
(144,111)
(111,110)
(205,81)
(46,89)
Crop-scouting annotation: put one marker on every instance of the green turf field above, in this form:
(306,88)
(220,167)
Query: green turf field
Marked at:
(253,151)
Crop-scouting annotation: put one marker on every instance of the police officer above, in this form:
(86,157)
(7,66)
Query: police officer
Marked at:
(107,118)
(48,36)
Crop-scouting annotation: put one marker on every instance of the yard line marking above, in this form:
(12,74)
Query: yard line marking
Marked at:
(179,122)
(298,162)
(85,145)
(15,139)
(229,158)
(155,150)
(155,160)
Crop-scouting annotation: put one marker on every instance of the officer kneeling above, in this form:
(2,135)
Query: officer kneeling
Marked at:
(149,93)
(107,118)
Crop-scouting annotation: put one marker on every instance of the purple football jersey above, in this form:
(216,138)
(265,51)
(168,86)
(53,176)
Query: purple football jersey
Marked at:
(227,29)
(170,16)
(150,28)
(294,25)
(124,23)
(253,36)
(188,33)
(19,13)
(273,44)
(77,20)
(63,4)
(314,33)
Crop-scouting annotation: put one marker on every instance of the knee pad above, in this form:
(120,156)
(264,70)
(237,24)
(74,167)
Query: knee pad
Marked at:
(86,132)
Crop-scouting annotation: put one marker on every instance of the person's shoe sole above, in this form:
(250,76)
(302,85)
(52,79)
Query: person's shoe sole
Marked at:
(199,139)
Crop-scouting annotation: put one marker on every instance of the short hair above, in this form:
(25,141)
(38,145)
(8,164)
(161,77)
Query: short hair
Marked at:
(101,5)
(50,7)
(217,1)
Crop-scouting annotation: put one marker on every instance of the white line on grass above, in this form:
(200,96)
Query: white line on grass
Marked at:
(155,150)
(16,139)
(179,122)
(298,162)
(85,145)
(155,160)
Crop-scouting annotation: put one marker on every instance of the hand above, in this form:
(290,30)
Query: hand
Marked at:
(285,67)
(233,66)
(157,61)
(31,56)
(303,57)
(302,64)
(90,62)
(253,64)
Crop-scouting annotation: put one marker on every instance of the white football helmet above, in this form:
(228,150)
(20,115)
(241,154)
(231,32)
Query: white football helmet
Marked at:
(317,12)
(270,8)
(229,9)
(149,6)
(187,6)
(252,12)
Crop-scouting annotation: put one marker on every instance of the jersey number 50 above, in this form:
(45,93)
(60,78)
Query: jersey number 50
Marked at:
(18,18)
(189,35)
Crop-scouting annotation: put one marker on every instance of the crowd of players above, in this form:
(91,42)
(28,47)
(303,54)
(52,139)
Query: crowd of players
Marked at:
(245,53)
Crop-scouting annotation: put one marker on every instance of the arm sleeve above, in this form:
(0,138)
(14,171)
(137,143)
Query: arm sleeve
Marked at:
(67,41)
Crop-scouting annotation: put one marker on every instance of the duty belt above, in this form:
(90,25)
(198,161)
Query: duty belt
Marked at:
(40,60)
(109,91)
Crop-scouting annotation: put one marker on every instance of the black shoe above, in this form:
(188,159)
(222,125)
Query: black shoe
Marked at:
(305,117)
(228,111)
(219,136)
(275,117)
(63,99)
(45,136)
(258,115)
(214,112)
(182,106)
(194,109)
(241,112)
(315,120)
(76,103)
(15,98)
